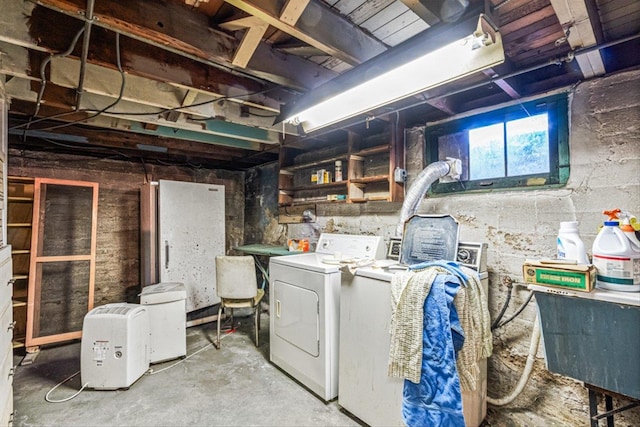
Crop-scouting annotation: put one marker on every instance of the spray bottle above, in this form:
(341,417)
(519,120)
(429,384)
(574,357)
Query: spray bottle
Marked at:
(630,226)
(615,257)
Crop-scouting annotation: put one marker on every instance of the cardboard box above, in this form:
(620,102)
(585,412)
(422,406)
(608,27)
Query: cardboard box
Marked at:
(578,277)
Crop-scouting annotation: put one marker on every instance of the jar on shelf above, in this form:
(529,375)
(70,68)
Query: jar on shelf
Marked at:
(338,171)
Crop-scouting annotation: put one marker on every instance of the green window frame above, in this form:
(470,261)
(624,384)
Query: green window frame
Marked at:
(451,139)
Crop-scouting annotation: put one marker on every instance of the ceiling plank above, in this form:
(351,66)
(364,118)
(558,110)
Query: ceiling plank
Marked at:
(336,36)
(185,32)
(574,16)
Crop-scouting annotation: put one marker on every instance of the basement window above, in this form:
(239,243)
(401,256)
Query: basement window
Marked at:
(525,145)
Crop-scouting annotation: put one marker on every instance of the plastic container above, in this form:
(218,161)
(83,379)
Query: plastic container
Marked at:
(338,171)
(570,245)
(616,259)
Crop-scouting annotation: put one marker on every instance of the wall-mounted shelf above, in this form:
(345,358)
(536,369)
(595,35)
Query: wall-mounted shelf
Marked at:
(368,159)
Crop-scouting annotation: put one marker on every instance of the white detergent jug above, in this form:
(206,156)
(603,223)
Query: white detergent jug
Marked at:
(570,246)
(617,260)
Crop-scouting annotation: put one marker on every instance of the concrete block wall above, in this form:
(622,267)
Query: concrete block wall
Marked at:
(521,224)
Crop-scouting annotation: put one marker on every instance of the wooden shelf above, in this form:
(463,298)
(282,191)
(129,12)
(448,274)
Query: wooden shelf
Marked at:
(21,252)
(316,201)
(372,150)
(315,186)
(19,225)
(369,179)
(369,158)
(18,303)
(20,199)
(369,199)
(308,165)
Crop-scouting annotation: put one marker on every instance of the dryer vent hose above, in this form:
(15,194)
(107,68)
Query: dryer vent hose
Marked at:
(421,185)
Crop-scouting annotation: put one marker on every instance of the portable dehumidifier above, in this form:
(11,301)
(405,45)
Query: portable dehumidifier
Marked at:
(115,346)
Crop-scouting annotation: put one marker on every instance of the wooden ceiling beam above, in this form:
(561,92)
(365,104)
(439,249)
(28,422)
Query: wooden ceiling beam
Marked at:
(336,36)
(178,29)
(254,29)
(292,11)
(574,16)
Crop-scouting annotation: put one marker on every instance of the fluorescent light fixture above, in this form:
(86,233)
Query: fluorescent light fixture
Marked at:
(480,50)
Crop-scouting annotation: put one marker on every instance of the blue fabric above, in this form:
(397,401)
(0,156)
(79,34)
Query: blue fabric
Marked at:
(452,266)
(437,399)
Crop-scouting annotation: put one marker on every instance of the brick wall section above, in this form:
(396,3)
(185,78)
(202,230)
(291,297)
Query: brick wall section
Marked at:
(605,174)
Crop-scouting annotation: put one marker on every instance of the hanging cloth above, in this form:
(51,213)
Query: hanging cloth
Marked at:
(435,399)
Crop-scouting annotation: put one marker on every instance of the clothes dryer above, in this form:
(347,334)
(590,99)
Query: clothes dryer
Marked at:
(304,297)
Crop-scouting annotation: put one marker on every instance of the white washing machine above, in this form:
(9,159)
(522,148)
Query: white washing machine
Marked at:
(366,390)
(304,297)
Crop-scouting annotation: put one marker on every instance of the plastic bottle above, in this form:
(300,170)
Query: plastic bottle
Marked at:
(570,246)
(630,231)
(338,171)
(617,262)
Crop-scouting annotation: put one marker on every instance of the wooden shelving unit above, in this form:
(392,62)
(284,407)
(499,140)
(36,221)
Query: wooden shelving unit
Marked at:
(20,193)
(368,158)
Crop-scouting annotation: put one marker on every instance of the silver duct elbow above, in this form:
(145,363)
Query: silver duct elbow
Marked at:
(450,167)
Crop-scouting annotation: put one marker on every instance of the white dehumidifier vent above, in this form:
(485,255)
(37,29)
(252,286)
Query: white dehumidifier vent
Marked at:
(115,346)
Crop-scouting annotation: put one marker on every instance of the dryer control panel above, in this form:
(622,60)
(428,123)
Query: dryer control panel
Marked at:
(351,246)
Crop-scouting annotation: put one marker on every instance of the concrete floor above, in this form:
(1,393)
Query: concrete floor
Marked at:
(233,386)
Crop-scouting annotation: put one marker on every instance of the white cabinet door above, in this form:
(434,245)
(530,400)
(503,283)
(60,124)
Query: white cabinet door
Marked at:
(191,232)
(6,333)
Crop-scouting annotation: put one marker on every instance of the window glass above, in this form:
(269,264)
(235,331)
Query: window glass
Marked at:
(522,145)
(486,152)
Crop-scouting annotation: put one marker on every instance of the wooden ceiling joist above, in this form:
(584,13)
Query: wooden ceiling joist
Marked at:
(574,16)
(185,32)
(336,36)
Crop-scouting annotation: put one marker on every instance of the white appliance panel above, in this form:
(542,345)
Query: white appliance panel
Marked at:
(6,335)
(365,389)
(191,232)
(297,316)
(307,261)
(114,350)
(6,375)
(317,372)
(351,246)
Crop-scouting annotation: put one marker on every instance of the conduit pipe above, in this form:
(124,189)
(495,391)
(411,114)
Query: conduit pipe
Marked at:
(528,368)
(88,21)
(450,167)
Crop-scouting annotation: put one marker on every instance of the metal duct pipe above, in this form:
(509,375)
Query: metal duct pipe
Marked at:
(449,167)
(88,22)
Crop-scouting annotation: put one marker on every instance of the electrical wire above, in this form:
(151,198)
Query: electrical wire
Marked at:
(48,399)
(114,103)
(43,67)
(119,98)
(152,372)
